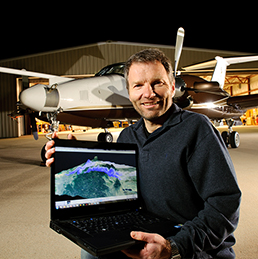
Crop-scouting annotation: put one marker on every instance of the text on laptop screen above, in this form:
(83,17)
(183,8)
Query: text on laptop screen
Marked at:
(88,177)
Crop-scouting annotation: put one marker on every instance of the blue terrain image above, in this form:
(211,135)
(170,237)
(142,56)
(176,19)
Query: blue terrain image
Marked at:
(95,179)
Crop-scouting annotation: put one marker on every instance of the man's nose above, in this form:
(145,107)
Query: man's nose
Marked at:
(149,91)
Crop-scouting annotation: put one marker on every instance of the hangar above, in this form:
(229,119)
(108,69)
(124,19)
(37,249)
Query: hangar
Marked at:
(86,60)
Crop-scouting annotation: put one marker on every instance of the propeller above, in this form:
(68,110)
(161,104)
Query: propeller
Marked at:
(34,125)
(179,82)
(179,46)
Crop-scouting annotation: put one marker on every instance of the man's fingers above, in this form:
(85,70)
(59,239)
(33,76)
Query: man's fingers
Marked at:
(50,150)
(49,144)
(143,236)
(70,136)
(49,157)
(49,162)
(54,135)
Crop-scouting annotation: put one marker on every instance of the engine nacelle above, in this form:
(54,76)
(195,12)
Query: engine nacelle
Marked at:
(40,98)
(179,87)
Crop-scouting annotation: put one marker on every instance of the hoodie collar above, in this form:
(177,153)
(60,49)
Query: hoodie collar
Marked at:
(173,119)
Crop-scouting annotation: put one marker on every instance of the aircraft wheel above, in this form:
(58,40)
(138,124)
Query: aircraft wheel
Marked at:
(101,137)
(225,137)
(234,139)
(108,137)
(105,137)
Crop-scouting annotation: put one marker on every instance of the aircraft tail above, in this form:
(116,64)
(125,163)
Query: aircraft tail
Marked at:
(220,64)
(219,73)
(220,70)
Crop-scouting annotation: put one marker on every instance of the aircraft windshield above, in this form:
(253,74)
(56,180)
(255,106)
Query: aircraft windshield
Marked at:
(112,69)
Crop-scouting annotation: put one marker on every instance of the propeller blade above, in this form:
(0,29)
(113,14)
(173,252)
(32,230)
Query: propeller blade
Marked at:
(178,48)
(34,126)
(35,135)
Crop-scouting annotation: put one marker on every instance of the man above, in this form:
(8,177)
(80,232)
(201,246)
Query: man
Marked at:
(186,173)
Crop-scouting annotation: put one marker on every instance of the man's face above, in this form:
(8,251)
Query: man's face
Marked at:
(150,90)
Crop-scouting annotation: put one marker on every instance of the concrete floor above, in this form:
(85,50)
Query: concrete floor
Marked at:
(24,203)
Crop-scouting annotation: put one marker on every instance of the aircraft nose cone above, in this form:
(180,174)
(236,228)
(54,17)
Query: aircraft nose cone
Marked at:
(34,97)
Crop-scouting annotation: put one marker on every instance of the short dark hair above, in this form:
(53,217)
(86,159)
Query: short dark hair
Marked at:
(146,56)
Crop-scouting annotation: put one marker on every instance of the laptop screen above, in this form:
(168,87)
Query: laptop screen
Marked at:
(90,174)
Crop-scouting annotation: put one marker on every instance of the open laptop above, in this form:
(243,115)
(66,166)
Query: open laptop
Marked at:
(95,196)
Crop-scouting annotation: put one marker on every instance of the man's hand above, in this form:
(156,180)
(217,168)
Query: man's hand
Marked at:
(50,150)
(155,246)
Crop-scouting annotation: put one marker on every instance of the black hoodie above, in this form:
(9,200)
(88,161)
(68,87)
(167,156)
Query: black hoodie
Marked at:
(186,174)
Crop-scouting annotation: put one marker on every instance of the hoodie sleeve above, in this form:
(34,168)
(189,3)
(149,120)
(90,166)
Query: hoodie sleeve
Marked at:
(213,176)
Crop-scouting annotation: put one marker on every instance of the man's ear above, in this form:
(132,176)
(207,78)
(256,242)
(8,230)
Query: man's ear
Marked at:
(127,87)
(130,98)
(173,88)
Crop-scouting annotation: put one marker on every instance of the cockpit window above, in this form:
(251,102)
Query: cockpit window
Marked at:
(112,69)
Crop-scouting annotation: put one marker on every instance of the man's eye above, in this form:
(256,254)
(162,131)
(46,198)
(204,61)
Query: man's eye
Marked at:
(158,83)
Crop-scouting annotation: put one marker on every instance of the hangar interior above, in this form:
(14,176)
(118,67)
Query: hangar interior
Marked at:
(84,61)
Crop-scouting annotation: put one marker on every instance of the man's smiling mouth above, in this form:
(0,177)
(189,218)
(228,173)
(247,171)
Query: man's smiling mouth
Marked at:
(150,103)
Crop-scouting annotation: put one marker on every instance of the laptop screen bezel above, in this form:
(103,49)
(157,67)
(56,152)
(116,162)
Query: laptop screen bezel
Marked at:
(66,214)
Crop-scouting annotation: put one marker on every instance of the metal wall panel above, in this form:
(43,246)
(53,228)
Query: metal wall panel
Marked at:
(8,127)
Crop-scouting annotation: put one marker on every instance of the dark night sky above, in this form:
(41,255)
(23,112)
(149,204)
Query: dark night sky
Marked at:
(38,32)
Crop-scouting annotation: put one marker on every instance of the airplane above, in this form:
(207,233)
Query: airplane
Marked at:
(98,101)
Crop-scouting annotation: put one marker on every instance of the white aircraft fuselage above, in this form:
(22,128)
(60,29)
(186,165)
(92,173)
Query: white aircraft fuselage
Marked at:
(102,92)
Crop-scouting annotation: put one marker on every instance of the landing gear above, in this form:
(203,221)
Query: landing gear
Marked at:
(231,137)
(105,137)
(54,125)
(234,139)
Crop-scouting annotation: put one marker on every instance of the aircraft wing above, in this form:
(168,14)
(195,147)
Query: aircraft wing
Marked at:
(52,78)
(228,61)
(244,102)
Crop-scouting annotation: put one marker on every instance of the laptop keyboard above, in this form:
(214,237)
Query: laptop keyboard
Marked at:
(108,223)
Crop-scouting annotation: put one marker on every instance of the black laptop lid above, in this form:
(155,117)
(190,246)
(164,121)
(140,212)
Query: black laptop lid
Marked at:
(90,178)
